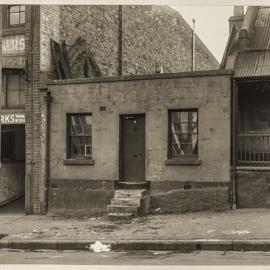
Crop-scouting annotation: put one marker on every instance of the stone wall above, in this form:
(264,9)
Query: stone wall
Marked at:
(82,196)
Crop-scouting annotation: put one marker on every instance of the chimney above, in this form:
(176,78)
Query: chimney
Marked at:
(237,18)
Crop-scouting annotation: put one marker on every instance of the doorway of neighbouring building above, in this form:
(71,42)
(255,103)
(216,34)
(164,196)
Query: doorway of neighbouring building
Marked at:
(132,148)
(12,181)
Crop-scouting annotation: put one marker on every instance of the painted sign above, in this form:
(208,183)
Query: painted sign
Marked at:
(12,118)
(13,45)
(13,61)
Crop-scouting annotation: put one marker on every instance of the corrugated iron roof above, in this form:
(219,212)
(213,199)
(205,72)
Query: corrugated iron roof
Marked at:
(260,39)
(252,63)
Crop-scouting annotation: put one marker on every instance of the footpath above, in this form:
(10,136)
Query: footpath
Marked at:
(242,229)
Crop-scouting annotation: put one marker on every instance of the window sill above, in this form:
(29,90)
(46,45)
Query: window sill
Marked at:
(187,161)
(14,30)
(79,162)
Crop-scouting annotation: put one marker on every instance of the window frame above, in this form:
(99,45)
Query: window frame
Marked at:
(21,74)
(19,12)
(184,159)
(71,159)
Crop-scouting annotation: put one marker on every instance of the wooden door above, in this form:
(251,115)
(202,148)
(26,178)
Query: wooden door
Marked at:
(132,149)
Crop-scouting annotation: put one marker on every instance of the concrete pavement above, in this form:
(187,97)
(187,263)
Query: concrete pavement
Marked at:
(242,229)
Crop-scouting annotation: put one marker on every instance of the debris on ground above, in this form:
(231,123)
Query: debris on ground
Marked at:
(236,232)
(99,247)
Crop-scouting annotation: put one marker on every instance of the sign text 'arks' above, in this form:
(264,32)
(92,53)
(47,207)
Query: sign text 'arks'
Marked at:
(12,119)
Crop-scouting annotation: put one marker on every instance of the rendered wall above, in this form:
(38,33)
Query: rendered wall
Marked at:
(210,94)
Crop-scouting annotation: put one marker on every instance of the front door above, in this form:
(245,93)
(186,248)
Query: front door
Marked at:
(132,150)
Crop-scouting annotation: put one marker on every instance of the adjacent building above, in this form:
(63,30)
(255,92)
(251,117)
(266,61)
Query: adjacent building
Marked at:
(71,42)
(247,54)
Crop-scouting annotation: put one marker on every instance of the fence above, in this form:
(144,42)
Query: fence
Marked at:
(253,149)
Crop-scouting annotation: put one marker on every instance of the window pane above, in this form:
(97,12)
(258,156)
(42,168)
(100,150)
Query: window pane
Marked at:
(14,18)
(22,17)
(13,98)
(81,125)
(193,128)
(194,116)
(80,136)
(13,82)
(184,137)
(22,98)
(22,7)
(22,82)
(194,143)
(14,9)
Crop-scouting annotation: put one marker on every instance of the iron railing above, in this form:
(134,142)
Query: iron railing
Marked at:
(253,149)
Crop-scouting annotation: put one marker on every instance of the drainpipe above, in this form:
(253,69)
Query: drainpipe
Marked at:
(193,67)
(45,147)
(234,143)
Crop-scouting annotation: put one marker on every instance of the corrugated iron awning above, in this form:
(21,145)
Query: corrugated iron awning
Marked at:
(252,64)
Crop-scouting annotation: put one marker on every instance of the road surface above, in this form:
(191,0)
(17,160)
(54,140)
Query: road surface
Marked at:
(134,258)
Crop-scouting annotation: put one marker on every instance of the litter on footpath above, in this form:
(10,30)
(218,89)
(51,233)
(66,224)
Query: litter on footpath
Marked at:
(99,247)
(236,232)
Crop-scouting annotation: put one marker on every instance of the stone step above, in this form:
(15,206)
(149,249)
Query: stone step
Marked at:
(122,209)
(125,193)
(120,216)
(133,185)
(127,201)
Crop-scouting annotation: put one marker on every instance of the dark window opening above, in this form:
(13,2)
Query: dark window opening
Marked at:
(80,136)
(183,133)
(12,143)
(16,14)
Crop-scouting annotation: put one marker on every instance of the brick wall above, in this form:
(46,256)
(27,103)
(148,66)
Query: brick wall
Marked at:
(49,29)
(151,35)
(32,106)
(98,25)
(159,35)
